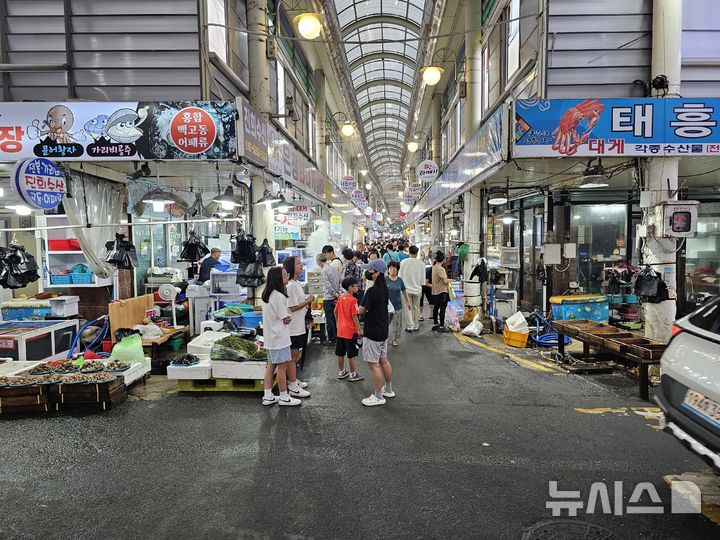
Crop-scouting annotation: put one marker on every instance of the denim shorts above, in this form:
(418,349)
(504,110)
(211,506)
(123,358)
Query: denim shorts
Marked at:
(279,356)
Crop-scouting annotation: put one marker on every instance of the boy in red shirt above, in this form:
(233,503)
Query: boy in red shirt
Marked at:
(348,327)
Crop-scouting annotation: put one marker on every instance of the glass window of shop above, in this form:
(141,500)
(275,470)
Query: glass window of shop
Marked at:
(600,231)
(702,257)
(532,232)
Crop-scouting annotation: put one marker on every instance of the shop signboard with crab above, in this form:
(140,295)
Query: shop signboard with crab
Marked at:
(91,131)
(597,127)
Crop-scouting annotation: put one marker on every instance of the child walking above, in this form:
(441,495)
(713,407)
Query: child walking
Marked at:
(348,327)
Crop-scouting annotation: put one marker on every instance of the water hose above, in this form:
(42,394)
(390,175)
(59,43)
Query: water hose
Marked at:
(77,336)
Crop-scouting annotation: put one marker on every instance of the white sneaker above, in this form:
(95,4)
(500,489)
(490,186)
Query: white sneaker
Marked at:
(302,384)
(370,401)
(387,394)
(270,401)
(289,402)
(298,392)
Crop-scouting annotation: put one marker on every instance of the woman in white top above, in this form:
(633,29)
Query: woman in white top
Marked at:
(298,305)
(276,335)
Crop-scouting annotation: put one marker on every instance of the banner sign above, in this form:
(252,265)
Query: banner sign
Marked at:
(362,204)
(427,171)
(484,149)
(335,223)
(357,195)
(415,189)
(348,183)
(409,200)
(617,127)
(94,131)
(39,183)
(252,134)
(287,162)
(284,230)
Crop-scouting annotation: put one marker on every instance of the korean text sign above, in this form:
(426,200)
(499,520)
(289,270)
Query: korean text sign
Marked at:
(89,131)
(39,183)
(617,127)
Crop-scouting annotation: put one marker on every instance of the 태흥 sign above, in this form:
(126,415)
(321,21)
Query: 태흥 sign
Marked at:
(597,127)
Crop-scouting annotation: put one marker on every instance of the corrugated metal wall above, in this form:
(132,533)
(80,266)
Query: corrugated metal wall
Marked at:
(125,50)
(598,48)
(701,49)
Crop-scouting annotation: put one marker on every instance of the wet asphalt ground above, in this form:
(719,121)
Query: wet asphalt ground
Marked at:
(466,450)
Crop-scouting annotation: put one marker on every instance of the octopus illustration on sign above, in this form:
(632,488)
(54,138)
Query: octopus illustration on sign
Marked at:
(58,141)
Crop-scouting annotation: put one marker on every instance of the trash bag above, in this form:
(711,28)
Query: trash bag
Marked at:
(650,287)
(265,254)
(122,333)
(17,268)
(121,253)
(245,249)
(475,327)
(193,249)
(129,350)
(251,275)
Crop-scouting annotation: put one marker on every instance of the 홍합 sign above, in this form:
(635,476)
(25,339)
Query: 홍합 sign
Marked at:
(90,131)
(617,127)
(39,183)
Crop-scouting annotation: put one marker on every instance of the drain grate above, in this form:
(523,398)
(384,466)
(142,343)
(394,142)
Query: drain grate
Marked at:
(566,529)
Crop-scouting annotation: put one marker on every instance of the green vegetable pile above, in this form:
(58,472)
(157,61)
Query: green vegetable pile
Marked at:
(236,349)
(229,312)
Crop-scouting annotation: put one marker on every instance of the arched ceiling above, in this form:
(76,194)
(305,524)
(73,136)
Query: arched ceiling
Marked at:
(383,69)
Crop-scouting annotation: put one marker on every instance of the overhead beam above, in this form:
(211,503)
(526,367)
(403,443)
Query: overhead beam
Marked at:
(380,19)
(374,57)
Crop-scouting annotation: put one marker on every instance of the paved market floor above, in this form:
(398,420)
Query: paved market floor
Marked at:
(466,450)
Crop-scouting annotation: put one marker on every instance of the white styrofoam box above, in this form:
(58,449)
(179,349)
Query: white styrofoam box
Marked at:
(202,370)
(238,370)
(135,372)
(204,342)
(64,306)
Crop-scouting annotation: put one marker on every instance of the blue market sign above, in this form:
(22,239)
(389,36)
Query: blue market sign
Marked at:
(39,183)
(596,127)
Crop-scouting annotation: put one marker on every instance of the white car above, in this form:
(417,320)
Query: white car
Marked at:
(689,393)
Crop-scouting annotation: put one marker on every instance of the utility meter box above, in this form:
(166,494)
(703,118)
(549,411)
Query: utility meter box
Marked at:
(552,254)
(676,219)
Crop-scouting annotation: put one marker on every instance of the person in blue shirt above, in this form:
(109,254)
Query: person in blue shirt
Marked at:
(390,254)
(402,254)
(396,293)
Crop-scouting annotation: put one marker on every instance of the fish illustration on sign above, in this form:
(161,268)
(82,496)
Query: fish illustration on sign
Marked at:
(96,126)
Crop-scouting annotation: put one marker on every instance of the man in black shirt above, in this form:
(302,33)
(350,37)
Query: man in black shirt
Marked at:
(374,307)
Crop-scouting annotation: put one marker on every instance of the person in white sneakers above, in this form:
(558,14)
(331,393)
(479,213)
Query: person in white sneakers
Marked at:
(375,309)
(412,272)
(276,336)
(298,304)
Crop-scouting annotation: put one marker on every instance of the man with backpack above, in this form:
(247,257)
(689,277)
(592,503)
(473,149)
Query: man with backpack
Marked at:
(391,254)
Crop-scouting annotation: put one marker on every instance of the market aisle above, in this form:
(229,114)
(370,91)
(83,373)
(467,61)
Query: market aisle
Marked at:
(466,449)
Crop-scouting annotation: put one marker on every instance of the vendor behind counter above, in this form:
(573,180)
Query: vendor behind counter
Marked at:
(208,263)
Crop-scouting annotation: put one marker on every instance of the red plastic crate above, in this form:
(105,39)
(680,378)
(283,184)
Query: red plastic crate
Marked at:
(69,244)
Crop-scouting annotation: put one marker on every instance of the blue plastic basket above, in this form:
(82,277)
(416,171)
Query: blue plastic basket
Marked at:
(60,279)
(82,279)
(253,318)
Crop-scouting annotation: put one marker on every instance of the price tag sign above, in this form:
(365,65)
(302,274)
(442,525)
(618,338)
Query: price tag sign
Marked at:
(39,183)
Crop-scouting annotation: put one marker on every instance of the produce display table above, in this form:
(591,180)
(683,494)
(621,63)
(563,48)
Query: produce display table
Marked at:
(614,341)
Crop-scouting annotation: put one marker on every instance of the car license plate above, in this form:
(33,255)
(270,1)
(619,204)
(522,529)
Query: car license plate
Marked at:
(705,407)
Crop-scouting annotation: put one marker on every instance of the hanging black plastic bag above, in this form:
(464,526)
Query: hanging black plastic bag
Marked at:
(252,275)
(650,287)
(265,254)
(193,249)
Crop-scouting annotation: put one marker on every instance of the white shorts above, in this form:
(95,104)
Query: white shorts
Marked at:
(279,356)
(373,351)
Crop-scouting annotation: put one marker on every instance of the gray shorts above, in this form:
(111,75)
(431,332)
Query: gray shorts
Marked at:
(373,351)
(279,356)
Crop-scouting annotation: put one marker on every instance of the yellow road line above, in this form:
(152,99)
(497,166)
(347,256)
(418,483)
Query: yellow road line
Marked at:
(522,361)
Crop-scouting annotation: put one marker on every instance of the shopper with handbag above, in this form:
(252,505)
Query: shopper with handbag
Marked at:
(440,295)
(276,336)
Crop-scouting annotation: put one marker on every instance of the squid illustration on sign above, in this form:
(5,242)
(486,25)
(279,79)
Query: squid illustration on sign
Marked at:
(56,126)
(585,115)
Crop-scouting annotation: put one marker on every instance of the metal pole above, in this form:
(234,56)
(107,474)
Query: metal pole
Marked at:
(91,226)
(661,173)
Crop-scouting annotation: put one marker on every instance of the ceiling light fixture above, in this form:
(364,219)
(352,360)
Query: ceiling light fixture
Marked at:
(308,25)
(347,129)
(20,209)
(431,75)
(497,196)
(363,172)
(368,185)
(227,200)
(507,217)
(412,147)
(594,176)
(268,199)
(158,199)
(282,205)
